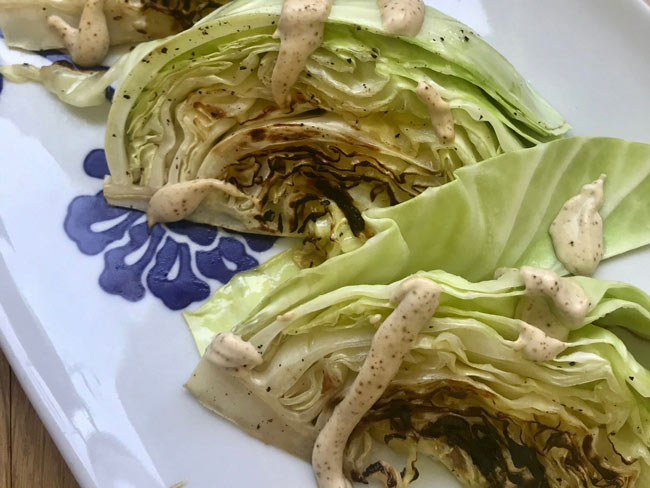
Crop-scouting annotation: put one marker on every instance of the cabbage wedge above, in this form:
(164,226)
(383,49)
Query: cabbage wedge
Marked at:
(463,395)
(354,135)
(24,22)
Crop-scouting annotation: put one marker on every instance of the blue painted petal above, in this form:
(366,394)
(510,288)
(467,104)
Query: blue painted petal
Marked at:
(183,289)
(125,280)
(259,243)
(86,210)
(211,263)
(54,55)
(201,234)
(95,164)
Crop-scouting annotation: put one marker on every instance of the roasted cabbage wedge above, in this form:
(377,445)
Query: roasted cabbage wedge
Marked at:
(354,135)
(463,395)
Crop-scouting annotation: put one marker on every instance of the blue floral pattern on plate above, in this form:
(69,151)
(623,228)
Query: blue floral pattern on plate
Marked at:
(176,262)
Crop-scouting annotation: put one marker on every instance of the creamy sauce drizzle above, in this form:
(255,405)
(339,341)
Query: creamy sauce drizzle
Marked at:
(417,300)
(536,345)
(536,311)
(300,30)
(175,202)
(231,352)
(88,44)
(440,114)
(401,17)
(577,231)
(542,333)
(568,297)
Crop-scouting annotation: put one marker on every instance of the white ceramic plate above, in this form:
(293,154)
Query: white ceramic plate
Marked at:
(86,296)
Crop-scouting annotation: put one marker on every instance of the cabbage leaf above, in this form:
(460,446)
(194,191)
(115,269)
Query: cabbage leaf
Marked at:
(495,214)
(463,395)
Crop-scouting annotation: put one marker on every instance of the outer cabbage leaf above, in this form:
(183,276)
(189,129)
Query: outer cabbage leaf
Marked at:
(463,394)
(355,135)
(77,87)
(495,214)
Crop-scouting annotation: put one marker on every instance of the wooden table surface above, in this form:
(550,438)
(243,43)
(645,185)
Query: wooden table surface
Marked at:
(28,457)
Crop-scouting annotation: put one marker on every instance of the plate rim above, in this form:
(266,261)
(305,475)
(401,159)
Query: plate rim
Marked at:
(31,380)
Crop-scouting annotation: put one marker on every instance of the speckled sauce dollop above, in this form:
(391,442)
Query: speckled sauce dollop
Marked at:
(542,333)
(177,201)
(402,17)
(536,345)
(568,297)
(417,300)
(300,30)
(232,353)
(442,120)
(535,310)
(577,231)
(88,44)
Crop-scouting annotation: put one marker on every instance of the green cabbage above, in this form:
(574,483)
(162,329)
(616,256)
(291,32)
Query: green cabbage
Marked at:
(355,136)
(495,214)
(24,22)
(463,394)
(80,88)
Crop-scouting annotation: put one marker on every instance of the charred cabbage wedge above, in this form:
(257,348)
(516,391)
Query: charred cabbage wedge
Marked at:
(464,394)
(354,135)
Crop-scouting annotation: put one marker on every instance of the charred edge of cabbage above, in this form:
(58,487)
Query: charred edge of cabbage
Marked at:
(322,179)
(501,449)
(185,12)
(322,182)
